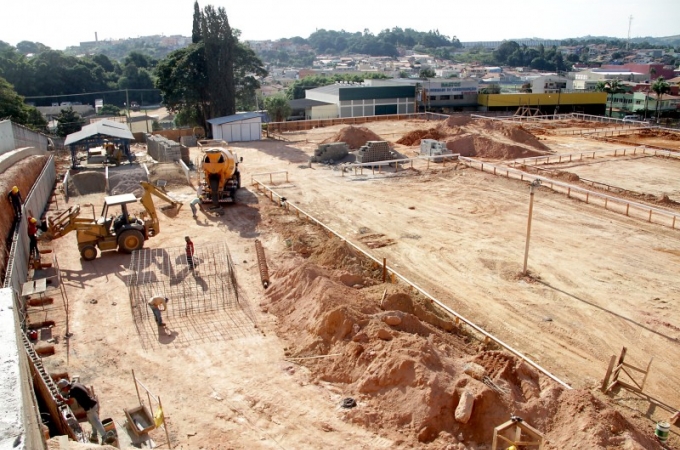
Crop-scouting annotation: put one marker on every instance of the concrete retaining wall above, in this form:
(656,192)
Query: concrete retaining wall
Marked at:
(19,414)
(13,136)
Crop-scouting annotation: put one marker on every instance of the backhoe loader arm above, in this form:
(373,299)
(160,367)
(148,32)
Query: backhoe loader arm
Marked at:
(153,224)
(63,223)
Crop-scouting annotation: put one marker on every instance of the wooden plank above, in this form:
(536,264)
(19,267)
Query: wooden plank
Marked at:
(611,386)
(629,387)
(631,378)
(644,379)
(634,368)
(605,382)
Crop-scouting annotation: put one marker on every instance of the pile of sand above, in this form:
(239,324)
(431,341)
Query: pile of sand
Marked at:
(354,137)
(86,183)
(125,180)
(480,138)
(22,175)
(407,374)
(482,146)
(414,137)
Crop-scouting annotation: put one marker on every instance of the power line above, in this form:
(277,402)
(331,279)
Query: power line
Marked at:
(91,93)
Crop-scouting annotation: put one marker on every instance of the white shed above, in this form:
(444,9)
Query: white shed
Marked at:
(237,127)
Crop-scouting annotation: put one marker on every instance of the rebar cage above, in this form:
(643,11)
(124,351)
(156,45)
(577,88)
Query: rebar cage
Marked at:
(210,286)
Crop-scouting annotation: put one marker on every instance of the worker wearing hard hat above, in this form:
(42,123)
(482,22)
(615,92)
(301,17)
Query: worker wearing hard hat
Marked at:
(70,391)
(14,197)
(33,239)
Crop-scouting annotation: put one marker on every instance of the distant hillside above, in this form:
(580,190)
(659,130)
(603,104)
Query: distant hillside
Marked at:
(664,40)
(328,41)
(155,46)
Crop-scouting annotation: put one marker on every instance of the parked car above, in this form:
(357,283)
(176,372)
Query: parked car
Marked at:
(632,118)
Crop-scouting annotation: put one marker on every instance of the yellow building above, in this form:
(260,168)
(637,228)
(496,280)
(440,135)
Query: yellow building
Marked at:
(561,102)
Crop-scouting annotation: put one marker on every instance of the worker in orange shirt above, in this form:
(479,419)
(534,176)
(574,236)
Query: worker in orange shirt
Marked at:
(33,251)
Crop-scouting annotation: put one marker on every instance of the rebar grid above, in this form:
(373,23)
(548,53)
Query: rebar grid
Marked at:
(211,286)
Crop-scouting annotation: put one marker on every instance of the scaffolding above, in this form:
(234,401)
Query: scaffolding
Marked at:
(210,287)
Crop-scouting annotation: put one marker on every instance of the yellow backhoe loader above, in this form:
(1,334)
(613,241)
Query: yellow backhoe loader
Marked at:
(120,230)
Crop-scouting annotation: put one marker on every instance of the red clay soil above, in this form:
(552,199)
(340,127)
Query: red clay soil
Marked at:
(22,175)
(354,137)
(480,138)
(415,136)
(407,365)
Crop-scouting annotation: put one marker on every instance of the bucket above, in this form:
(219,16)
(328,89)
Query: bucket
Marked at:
(662,430)
(109,425)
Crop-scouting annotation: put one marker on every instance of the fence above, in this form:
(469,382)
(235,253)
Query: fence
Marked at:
(615,204)
(303,125)
(579,156)
(474,330)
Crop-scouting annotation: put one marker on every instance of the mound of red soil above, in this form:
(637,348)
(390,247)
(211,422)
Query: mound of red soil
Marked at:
(408,374)
(354,137)
(476,145)
(414,137)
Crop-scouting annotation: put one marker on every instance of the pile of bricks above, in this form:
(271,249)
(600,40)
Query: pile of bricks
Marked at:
(334,151)
(162,149)
(431,147)
(375,151)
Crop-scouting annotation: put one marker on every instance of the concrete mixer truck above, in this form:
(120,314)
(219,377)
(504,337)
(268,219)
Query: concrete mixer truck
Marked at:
(219,175)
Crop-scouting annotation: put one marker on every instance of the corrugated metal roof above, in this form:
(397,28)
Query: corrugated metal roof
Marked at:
(104,127)
(234,118)
(306,103)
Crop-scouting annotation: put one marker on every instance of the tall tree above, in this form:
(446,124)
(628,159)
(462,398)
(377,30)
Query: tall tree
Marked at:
(277,107)
(611,87)
(196,29)
(12,107)
(660,87)
(68,121)
(219,58)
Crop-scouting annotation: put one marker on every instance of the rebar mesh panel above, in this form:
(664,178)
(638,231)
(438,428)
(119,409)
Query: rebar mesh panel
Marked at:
(211,286)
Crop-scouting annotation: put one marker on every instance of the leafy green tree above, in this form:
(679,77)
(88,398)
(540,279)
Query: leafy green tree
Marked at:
(248,69)
(277,107)
(68,121)
(12,107)
(660,87)
(611,87)
(140,60)
(208,78)
(503,52)
(427,73)
(28,47)
(109,110)
(219,45)
(183,80)
(155,126)
(492,88)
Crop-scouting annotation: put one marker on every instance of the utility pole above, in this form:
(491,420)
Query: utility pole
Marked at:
(127,106)
(534,184)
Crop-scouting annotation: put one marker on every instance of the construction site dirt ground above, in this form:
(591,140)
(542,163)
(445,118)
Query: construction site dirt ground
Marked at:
(599,281)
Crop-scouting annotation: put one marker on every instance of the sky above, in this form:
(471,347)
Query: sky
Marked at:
(59,24)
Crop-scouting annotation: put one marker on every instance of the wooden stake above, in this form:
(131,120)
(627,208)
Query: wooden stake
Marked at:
(384,270)
(383,298)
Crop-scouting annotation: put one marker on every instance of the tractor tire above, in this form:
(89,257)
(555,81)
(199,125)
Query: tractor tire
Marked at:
(130,240)
(89,252)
